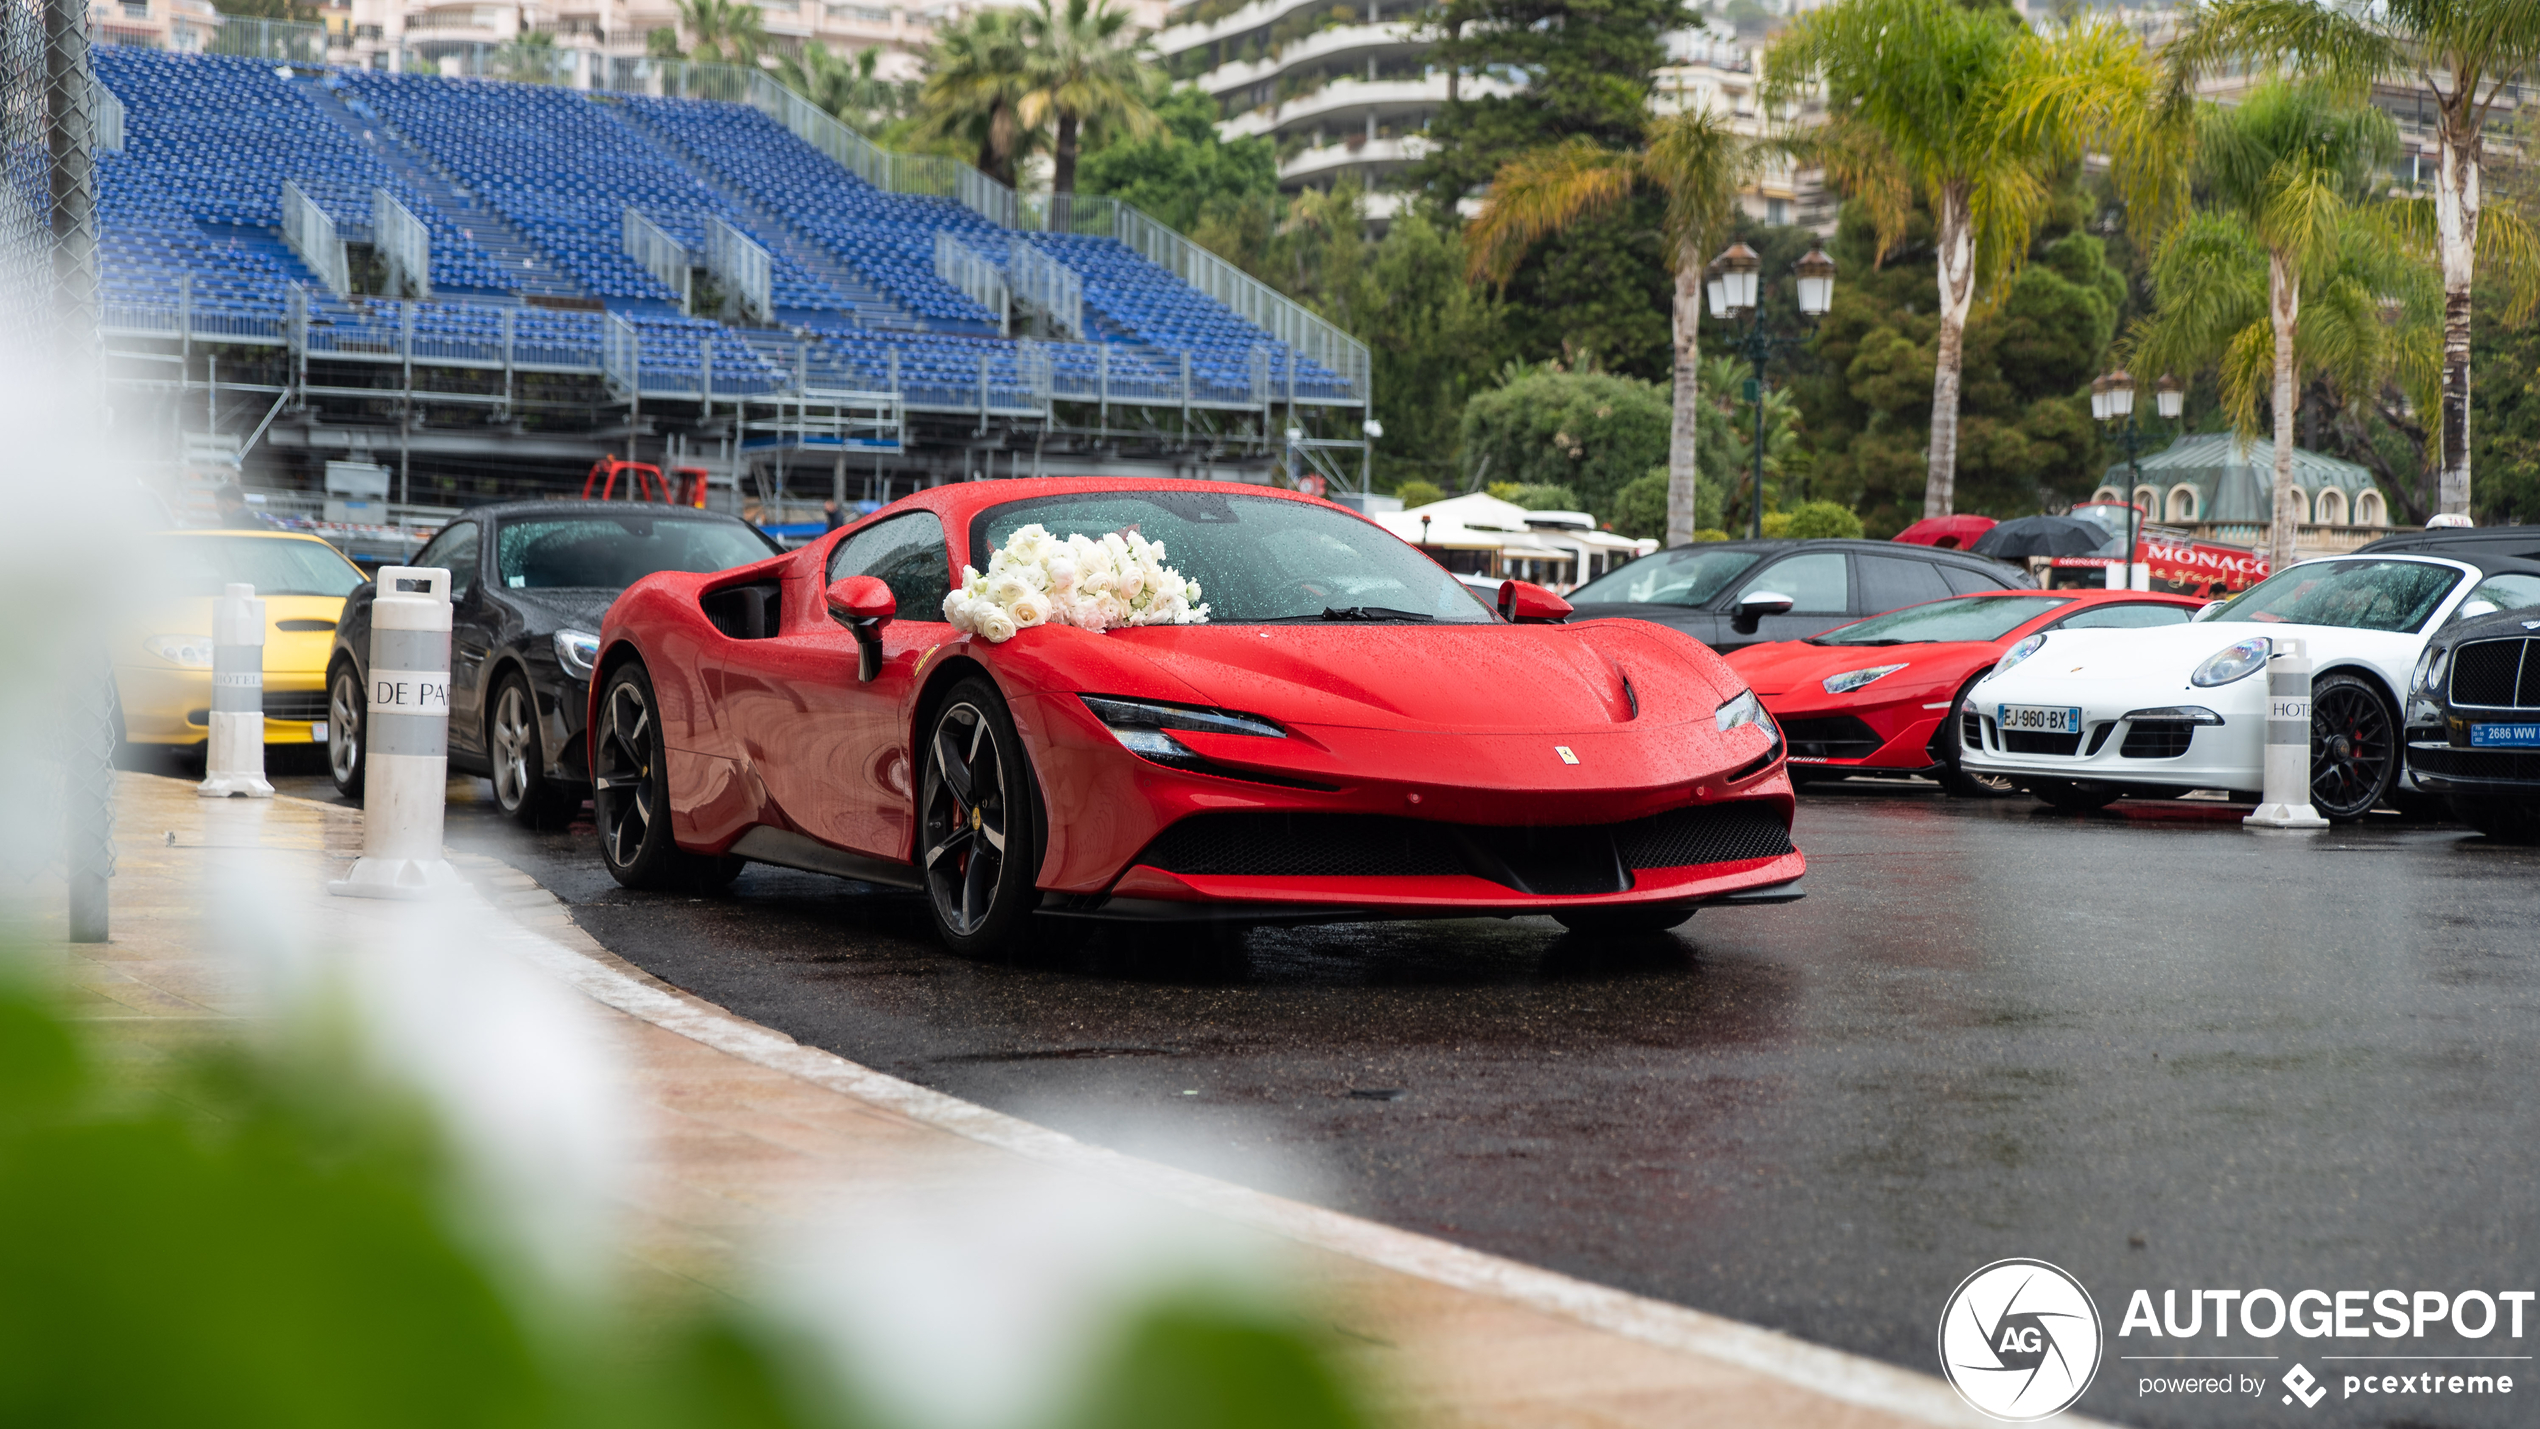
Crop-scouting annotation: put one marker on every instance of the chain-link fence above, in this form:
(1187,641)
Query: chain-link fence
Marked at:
(48,297)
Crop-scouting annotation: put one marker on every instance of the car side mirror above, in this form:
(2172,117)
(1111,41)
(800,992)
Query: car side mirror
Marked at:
(1754,606)
(863,604)
(2208,608)
(1525,603)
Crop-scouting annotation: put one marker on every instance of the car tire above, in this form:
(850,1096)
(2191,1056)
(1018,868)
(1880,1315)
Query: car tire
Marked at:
(1624,922)
(2076,796)
(1953,776)
(2354,747)
(516,754)
(632,796)
(2511,821)
(978,825)
(347,714)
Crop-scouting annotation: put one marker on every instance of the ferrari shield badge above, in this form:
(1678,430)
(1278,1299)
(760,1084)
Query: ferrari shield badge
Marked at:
(1566,756)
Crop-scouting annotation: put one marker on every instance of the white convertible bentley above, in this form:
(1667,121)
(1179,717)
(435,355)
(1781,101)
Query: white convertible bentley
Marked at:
(2080,718)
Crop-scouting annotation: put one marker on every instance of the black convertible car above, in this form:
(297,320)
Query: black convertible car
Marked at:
(529,581)
(1729,594)
(2474,716)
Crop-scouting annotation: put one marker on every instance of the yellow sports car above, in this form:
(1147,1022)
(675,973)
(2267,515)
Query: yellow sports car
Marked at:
(163,655)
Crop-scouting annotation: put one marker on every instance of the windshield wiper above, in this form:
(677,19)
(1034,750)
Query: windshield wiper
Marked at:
(1376,613)
(1814,641)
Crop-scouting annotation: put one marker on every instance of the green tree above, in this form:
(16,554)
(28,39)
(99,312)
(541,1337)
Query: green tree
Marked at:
(1087,67)
(2283,173)
(1818,520)
(1698,163)
(1418,493)
(1524,75)
(528,57)
(1967,111)
(978,73)
(1546,498)
(662,43)
(851,90)
(2466,52)
(1182,167)
(728,31)
(1589,431)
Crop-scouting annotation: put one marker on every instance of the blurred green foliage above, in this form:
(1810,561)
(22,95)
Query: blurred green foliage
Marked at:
(263,1241)
(1588,431)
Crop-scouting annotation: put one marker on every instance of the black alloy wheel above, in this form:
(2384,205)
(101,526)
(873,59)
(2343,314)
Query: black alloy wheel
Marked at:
(345,710)
(631,798)
(977,843)
(518,757)
(2076,796)
(1955,778)
(2354,747)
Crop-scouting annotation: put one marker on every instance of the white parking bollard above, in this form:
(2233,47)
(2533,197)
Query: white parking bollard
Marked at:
(2285,803)
(234,755)
(406,739)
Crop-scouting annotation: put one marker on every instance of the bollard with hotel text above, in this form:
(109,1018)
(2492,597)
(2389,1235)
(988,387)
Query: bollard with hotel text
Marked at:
(406,738)
(234,754)
(2285,802)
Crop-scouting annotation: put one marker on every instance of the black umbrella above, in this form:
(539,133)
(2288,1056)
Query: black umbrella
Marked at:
(2041,536)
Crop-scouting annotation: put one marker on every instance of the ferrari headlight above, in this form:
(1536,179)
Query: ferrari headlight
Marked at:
(2019,652)
(1745,709)
(1851,680)
(577,651)
(1142,727)
(2237,661)
(194,652)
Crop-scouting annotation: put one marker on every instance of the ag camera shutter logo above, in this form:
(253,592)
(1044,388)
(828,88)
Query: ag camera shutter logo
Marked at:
(2020,1340)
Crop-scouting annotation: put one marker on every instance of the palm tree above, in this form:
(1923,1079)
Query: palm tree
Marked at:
(1699,164)
(845,89)
(977,76)
(1086,70)
(1968,108)
(733,31)
(2466,52)
(2286,174)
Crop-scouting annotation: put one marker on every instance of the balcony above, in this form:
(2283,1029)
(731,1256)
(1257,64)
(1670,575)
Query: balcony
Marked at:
(1177,38)
(1344,103)
(1361,156)
(1356,41)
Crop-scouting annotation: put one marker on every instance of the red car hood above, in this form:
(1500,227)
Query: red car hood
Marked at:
(1795,665)
(1475,679)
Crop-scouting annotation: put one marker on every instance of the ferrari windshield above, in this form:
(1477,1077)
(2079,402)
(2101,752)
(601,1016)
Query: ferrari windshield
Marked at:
(1257,558)
(2359,595)
(1974,617)
(613,552)
(201,565)
(1687,575)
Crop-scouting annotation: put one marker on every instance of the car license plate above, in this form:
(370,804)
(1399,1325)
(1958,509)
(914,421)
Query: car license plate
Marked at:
(317,733)
(2504,736)
(2041,719)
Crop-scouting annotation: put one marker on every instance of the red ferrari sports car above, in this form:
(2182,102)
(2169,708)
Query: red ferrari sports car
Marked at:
(1349,734)
(1883,693)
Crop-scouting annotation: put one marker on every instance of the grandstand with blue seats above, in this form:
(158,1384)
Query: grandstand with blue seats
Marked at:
(539,329)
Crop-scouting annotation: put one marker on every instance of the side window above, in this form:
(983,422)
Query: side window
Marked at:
(1818,583)
(908,553)
(454,549)
(2124,617)
(1963,581)
(2506,590)
(1888,582)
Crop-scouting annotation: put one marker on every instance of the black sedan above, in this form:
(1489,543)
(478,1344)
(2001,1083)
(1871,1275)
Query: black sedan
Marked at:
(1731,594)
(529,582)
(2474,712)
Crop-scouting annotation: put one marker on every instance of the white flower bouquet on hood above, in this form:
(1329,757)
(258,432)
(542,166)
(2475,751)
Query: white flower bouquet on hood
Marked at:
(1093,584)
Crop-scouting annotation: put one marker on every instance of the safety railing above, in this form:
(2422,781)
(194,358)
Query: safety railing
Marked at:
(105,117)
(657,253)
(972,274)
(1045,286)
(741,267)
(404,243)
(311,234)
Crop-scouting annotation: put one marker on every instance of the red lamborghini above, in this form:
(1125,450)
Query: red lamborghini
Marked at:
(1882,694)
(1350,734)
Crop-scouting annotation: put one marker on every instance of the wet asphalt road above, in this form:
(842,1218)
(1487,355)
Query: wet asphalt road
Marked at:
(2146,1045)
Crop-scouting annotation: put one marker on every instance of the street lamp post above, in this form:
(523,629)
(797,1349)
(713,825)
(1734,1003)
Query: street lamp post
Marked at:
(2112,399)
(1734,277)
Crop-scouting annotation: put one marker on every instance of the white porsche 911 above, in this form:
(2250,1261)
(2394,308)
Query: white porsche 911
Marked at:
(2081,718)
